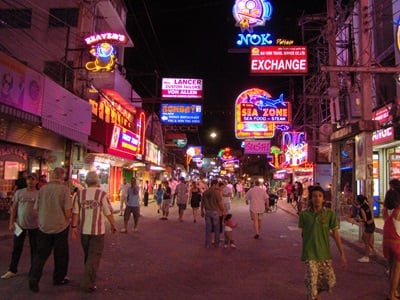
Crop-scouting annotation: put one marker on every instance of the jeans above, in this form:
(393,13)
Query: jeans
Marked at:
(212,221)
(58,242)
(93,246)
(19,246)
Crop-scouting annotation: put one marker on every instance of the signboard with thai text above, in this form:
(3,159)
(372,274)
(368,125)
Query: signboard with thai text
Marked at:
(180,114)
(182,88)
(278,60)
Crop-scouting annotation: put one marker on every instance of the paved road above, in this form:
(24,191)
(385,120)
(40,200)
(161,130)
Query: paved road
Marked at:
(167,260)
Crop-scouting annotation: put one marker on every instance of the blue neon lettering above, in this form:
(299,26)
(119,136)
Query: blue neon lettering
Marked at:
(254,39)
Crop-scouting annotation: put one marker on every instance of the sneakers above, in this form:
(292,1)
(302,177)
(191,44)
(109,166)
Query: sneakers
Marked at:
(233,246)
(123,230)
(364,259)
(225,246)
(8,275)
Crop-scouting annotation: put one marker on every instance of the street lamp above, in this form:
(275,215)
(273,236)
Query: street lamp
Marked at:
(213,135)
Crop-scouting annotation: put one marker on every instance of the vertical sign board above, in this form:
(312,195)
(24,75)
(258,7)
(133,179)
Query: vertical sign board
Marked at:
(257,113)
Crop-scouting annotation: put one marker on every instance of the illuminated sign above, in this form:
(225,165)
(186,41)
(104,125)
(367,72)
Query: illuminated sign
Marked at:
(225,154)
(181,88)
(278,60)
(257,114)
(103,50)
(398,34)
(176,113)
(295,148)
(383,115)
(153,154)
(251,13)
(257,147)
(254,39)
(123,141)
(382,136)
(107,36)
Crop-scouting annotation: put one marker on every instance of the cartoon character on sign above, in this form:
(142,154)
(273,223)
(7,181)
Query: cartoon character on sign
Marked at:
(294,146)
(251,13)
(105,58)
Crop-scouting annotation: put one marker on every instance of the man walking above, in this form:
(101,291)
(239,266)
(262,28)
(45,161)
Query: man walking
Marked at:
(24,217)
(132,206)
(54,207)
(258,200)
(182,194)
(146,193)
(93,206)
(123,193)
(212,208)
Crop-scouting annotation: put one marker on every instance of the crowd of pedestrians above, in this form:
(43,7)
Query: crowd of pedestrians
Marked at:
(47,212)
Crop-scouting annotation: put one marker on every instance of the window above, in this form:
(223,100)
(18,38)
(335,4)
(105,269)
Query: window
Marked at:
(15,18)
(61,17)
(60,73)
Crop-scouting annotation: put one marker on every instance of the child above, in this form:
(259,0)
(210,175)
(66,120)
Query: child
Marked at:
(228,226)
(315,223)
(367,217)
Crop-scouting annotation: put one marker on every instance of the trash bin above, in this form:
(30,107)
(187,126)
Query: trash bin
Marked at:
(377,209)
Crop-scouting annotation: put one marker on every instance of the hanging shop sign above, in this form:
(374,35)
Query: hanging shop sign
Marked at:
(295,148)
(103,50)
(180,114)
(124,142)
(257,147)
(182,88)
(257,113)
(278,60)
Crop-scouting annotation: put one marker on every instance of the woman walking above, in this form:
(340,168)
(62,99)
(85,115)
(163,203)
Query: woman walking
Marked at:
(195,198)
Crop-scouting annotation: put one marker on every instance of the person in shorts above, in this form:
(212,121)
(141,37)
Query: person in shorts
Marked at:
(182,195)
(166,202)
(316,223)
(132,206)
(257,198)
(367,217)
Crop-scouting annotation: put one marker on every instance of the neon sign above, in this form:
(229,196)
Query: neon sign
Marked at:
(251,13)
(124,141)
(103,50)
(278,60)
(295,148)
(257,114)
(254,39)
(108,36)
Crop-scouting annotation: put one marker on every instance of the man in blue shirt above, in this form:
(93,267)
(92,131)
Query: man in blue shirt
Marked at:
(132,206)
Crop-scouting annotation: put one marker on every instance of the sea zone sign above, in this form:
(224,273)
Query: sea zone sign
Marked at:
(182,88)
(278,60)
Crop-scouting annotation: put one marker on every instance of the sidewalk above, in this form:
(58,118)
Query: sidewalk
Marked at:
(350,232)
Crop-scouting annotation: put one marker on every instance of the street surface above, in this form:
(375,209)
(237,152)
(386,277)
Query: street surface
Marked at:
(167,260)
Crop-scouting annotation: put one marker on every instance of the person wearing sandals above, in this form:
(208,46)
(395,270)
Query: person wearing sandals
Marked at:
(367,217)
(315,224)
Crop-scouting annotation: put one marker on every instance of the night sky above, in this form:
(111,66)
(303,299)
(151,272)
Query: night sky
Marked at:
(194,39)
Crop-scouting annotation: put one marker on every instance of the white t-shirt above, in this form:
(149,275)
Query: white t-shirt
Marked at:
(257,196)
(227,190)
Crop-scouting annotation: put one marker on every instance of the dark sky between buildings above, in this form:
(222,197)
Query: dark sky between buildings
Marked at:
(194,39)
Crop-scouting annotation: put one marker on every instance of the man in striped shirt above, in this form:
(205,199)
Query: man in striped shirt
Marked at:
(91,207)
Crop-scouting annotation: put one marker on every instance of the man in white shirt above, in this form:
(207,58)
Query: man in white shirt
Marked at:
(227,194)
(258,200)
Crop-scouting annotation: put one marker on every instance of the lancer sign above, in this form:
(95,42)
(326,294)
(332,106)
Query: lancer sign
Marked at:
(181,88)
(179,114)
(278,60)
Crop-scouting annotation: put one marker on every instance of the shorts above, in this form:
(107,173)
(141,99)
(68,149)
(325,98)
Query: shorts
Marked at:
(165,205)
(319,277)
(135,210)
(256,215)
(181,206)
(369,228)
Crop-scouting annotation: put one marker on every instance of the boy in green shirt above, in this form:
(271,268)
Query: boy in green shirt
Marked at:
(316,222)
